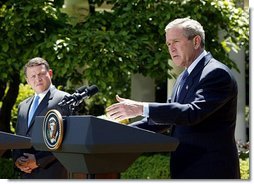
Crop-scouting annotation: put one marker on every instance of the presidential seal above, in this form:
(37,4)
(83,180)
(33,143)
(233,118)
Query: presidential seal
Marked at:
(53,129)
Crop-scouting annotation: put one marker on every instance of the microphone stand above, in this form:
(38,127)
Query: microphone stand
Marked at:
(74,108)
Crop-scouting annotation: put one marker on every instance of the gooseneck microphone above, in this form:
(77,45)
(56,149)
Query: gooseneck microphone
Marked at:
(80,94)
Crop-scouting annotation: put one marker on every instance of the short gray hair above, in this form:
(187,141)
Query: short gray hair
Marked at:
(191,28)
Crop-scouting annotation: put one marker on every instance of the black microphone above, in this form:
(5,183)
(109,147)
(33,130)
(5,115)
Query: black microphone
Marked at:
(81,89)
(69,97)
(81,93)
(85,93)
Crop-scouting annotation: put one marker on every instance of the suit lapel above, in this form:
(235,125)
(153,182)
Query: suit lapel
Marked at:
(176,87)
(26,109)
(44,104)
(190,80)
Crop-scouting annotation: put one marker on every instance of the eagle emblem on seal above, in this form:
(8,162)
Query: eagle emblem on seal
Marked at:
(53,129)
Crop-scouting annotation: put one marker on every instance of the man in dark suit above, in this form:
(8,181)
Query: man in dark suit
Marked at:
(201,112)
(35,164)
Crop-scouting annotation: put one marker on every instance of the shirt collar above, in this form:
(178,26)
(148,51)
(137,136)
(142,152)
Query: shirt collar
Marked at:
(192,66)
(43,94)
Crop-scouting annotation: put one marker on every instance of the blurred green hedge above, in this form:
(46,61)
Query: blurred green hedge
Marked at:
(7,170)
(149,166)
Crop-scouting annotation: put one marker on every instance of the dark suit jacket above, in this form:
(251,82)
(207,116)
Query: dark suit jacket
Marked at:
(49,167)
(204,119)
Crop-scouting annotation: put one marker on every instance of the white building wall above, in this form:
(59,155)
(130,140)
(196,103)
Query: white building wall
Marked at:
(240,133)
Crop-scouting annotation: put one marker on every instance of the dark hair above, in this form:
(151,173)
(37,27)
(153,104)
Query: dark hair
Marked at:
(36,62)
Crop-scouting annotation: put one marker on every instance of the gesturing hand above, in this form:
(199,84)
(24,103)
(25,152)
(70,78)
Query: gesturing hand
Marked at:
(124,109)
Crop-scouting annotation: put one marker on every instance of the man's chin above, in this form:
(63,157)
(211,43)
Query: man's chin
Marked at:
(177,63)
(39,90)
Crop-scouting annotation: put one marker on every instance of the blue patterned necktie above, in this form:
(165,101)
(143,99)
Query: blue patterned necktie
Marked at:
(33,109)
(181,83)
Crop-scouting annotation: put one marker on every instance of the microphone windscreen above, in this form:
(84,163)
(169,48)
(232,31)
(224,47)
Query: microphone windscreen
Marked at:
(81,89)
(92,90)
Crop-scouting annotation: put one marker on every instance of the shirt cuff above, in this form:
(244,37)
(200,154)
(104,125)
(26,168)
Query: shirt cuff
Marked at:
(145,110)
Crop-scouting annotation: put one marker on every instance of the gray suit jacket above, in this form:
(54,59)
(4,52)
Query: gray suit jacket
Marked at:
(50,167)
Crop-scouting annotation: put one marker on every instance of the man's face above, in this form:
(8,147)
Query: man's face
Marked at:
(181,49)
(39,78)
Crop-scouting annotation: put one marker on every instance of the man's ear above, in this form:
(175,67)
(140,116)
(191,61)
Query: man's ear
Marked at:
(50,73)
(196,41)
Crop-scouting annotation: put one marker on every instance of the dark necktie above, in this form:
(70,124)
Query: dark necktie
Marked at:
(181,83)
(33,109)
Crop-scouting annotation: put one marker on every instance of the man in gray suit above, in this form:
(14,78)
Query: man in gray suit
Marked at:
(35,164)
(202,108)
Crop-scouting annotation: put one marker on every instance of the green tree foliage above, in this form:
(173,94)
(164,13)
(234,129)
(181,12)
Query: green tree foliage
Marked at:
(24,92)
(107,47)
